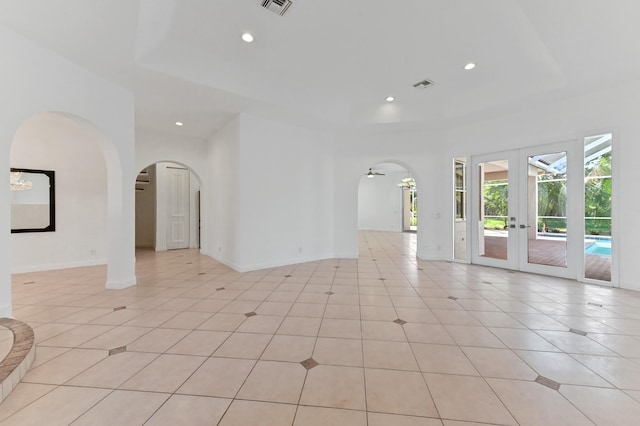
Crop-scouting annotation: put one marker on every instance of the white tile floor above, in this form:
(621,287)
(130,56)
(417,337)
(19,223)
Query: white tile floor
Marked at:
(207,345)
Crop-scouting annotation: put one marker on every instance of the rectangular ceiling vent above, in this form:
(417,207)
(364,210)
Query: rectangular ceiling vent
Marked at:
(423,84)
(277,6)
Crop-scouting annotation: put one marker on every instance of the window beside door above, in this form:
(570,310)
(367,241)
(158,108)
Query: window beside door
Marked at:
(598,186)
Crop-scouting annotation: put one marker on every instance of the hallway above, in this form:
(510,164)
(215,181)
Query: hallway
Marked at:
(382,340)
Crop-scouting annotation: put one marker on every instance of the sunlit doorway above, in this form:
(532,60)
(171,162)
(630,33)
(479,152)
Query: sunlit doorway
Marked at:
(545,209)
(522,218)
(387,201)
(409,204)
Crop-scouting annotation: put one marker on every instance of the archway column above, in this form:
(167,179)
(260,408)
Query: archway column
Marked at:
(121,239)
(121,268)
(5,242)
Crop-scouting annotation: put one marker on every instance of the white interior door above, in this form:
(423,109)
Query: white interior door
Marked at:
(178,208)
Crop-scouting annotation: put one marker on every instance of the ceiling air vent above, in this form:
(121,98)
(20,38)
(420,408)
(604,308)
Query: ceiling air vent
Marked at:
(277,6)
(423,84)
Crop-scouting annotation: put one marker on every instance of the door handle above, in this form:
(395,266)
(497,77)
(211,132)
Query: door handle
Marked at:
(525,226)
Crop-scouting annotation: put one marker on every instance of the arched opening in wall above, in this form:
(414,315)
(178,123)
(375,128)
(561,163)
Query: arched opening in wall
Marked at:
(59,207)
(167,207)
(388,200)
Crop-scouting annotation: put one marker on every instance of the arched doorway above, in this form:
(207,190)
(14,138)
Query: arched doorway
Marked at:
(388,199)
(88,198)
(167,207)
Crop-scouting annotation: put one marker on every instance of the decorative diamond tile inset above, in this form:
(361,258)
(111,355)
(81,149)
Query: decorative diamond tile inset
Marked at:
(250,314)
(576,331)
(116,351)
(548,382)
(329,293)
(400,321)
(119,308)
(309,363)
(452,298)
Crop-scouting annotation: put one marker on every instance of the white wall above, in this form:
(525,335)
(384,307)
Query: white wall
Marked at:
(153,147)
(54,142)
(285,194)
(220,221)
(380,202)
(271,200)
(35,80)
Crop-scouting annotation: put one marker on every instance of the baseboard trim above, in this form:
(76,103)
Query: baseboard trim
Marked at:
(350,255)
(265,265)
(55,266)
(121,284)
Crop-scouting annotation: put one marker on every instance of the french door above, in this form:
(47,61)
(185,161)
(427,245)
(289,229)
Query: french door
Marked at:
(525,211)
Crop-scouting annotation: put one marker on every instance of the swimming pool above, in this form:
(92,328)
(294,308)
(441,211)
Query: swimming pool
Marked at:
(601,247)
(592,245)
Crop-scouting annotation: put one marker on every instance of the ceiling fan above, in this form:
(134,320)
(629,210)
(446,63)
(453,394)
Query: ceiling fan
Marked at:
(372,174)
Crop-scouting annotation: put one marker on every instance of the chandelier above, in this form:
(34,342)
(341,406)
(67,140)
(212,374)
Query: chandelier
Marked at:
(17,183)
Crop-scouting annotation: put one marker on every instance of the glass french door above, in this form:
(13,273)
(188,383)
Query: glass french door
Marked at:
(494,210)
(525,211)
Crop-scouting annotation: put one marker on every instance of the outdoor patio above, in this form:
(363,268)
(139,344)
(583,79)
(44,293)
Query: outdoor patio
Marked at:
(553,253)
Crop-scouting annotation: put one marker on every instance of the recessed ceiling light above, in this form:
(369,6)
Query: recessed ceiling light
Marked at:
(247,37)
(469,66)
(179,123)
(390,99)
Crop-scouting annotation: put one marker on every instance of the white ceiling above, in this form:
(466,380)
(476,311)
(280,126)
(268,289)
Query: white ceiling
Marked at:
(330,64)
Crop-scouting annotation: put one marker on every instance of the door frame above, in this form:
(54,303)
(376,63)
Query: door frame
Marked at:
(476,177)
(575,214)
(517,247)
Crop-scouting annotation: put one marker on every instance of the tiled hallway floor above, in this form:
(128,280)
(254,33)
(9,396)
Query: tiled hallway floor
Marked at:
(383,340)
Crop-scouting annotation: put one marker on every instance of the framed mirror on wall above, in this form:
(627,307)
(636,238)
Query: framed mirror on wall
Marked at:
(33,206)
